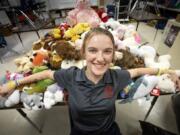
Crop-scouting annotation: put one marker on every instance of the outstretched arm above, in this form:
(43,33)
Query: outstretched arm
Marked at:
(29,79)
(142,71)
(155,71)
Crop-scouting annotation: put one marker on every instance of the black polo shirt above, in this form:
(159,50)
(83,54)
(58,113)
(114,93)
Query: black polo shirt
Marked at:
(92,106)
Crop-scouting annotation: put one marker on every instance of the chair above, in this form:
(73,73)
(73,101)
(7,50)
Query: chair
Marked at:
(5,31)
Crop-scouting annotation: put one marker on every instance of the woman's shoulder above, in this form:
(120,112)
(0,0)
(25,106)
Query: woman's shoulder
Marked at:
(70,70)
(118,71)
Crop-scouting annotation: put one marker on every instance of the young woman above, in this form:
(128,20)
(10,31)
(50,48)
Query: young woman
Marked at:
(93,89)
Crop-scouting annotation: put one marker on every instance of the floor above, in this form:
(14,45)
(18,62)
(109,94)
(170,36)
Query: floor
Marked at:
(55,121)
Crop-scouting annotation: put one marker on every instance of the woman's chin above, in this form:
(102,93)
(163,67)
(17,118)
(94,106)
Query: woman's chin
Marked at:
(99,71)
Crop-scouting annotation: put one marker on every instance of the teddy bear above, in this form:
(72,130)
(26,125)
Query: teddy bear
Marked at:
(148,53)
(102,14)
(83,13)
(13,99)
(163,61)
(32,102)
(165,84)
(54,60)
(60,51)
(69,63)
(56,33)
(129,60)
(66,51)
(79,42)
(44,43)
(52,95)
(2,102)
(124,35)
(75,32)
(147,83)
(24,64)
(63,27)
(111,24)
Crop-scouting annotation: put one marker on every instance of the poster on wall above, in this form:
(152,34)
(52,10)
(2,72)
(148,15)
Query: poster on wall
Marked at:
(171,36)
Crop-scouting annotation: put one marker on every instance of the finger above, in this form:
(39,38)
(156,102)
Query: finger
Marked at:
(178,84)
(174,78)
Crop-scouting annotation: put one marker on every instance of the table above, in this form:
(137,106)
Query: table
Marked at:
(153,102)
(19,109)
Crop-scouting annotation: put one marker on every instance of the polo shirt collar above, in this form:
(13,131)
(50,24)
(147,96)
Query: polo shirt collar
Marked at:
(81,76)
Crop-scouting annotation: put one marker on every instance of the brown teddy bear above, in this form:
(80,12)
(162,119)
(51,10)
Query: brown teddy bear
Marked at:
(62,50)
(129,61)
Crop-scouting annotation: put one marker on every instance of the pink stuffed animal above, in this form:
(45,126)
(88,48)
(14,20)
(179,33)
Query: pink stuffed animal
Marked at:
(83,13)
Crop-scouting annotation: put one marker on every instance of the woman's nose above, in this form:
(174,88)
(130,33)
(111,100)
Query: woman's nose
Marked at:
(100,56)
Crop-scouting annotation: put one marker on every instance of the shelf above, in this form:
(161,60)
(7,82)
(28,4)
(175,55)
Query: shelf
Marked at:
(163,7)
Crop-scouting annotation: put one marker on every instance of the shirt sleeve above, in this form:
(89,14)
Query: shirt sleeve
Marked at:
(121,79)
(63,77)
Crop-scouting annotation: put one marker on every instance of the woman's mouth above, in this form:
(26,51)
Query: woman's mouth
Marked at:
(99,65)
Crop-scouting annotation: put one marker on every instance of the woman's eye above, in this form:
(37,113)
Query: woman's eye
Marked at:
(108,51)
(92,50)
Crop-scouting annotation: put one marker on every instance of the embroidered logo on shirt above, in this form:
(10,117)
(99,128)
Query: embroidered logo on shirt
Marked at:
(108,91)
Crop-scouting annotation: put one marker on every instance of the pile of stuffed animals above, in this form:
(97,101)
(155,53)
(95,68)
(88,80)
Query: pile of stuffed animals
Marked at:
(60,48)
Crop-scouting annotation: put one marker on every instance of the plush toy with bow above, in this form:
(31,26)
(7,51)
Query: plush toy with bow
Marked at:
(83,13)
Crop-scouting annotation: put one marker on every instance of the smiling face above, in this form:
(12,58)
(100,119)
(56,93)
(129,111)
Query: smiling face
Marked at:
(98,52)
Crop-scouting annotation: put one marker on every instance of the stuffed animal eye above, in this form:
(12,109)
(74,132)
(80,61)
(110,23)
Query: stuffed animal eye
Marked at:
(32,104)
(40,106)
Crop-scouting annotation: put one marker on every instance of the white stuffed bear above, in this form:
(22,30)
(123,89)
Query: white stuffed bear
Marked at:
(111,24)
(165,84)
(53,95)
(13,99)
(143,51)
(162,62)
(2,102)
(148,53)
(69,63)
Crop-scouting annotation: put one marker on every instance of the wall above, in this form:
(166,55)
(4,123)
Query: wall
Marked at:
(60,4)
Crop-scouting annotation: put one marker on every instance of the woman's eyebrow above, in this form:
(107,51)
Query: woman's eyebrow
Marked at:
(92,48)
(108,49)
